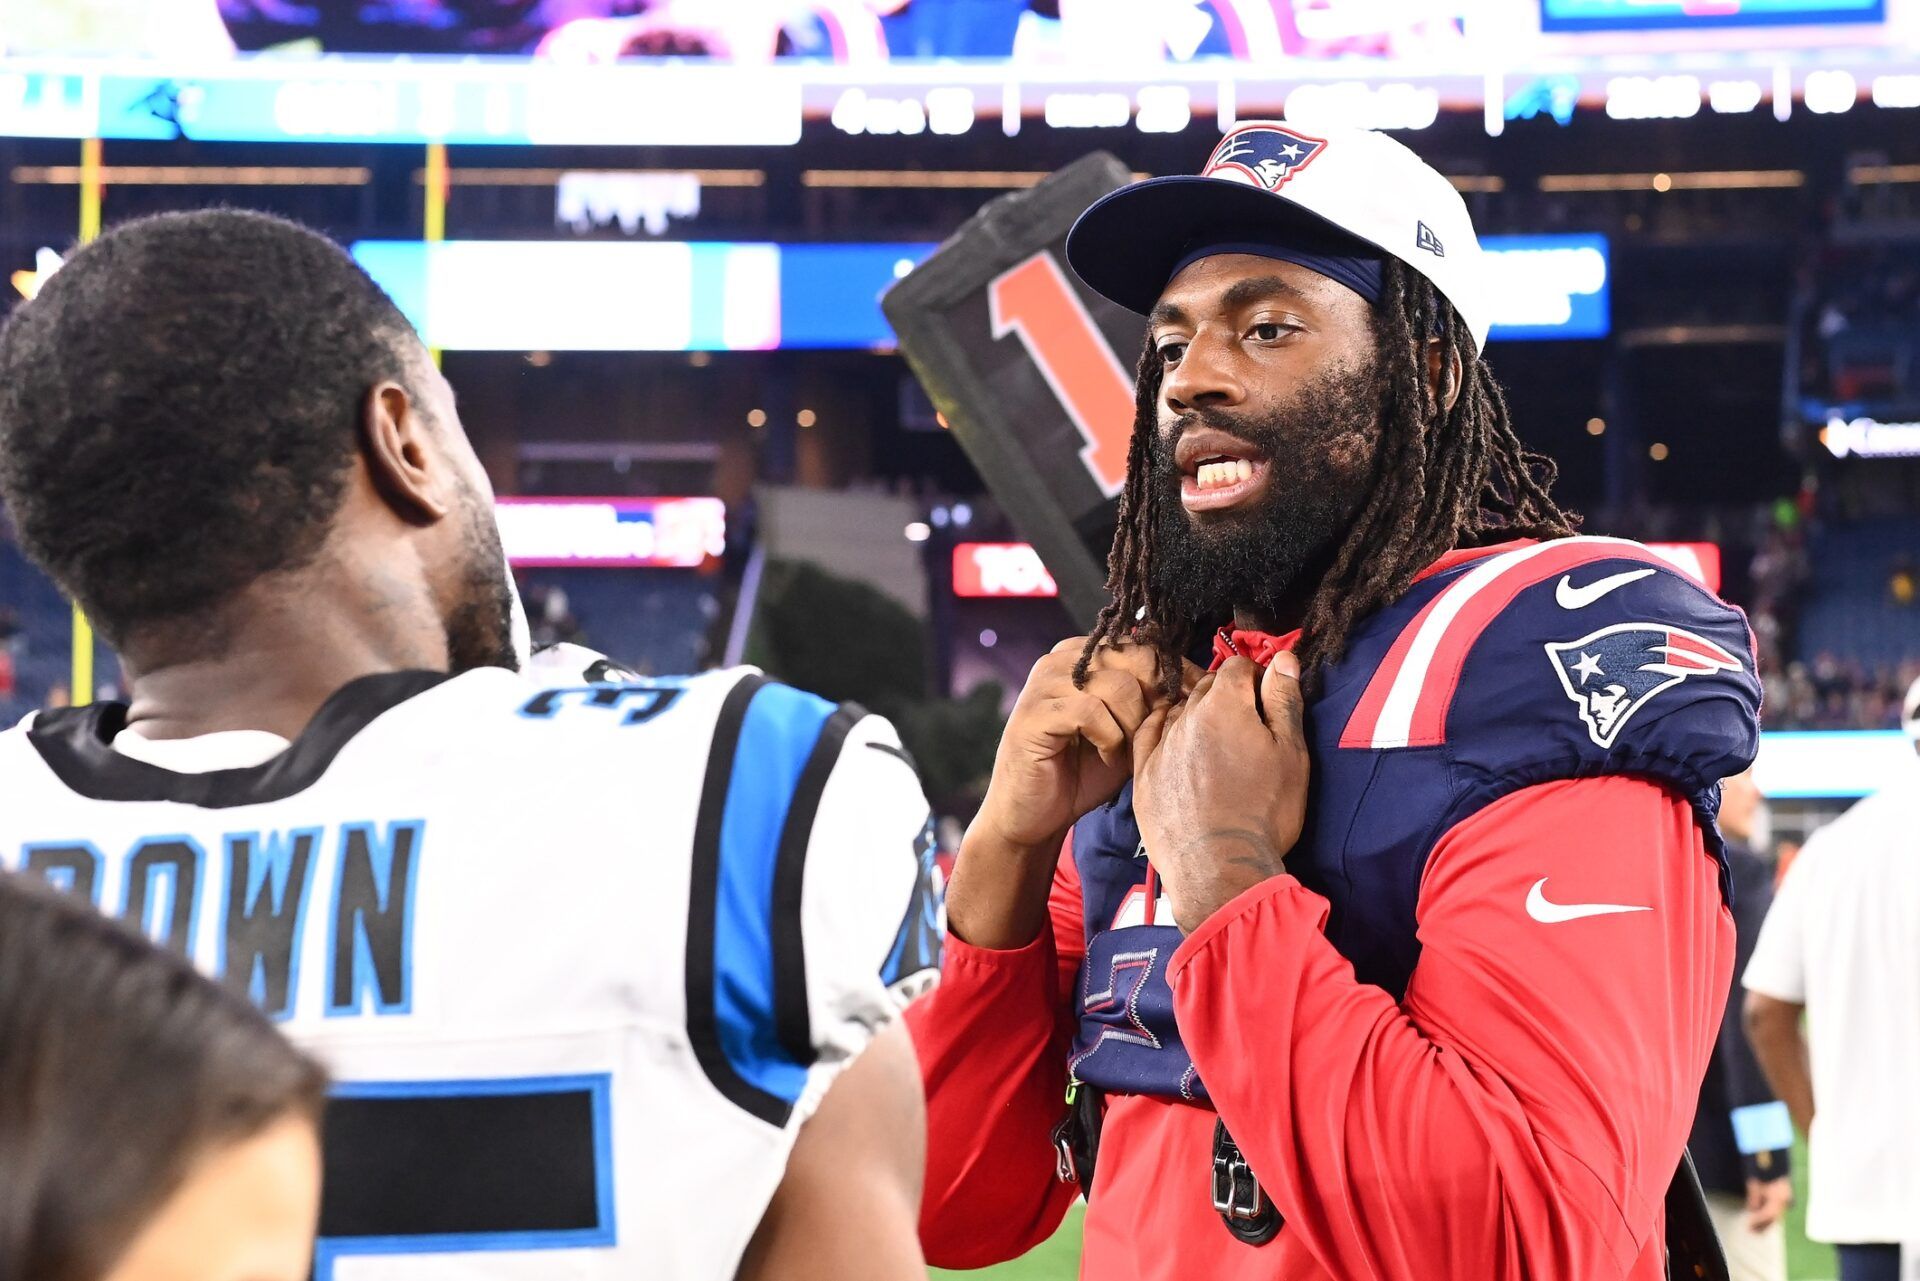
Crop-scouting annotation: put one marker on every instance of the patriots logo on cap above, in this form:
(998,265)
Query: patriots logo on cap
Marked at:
(1262,155)
(1614,672)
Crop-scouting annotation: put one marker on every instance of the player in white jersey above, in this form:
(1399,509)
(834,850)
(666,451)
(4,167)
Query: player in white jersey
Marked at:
(607,972)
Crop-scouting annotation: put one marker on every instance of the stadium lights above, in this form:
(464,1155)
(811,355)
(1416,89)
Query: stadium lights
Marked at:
(1890,92)
(1870,438)
(1733,97)
(1829,93)
(45,262)
(1109,110)
(1869,174)
(200,175)
(918,532)
(933,180)
(494,177)
(1653,97)
(1390,105)
(1164,109)
(1698,180)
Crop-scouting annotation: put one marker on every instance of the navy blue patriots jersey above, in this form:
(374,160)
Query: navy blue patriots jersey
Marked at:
(1500,669)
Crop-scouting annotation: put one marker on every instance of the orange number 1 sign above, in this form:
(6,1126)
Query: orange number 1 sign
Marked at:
(1035,301)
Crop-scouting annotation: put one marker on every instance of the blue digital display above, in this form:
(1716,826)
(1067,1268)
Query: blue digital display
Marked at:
(376,100)
(1549,286)
(1652,15)
(661,295)
(597,295)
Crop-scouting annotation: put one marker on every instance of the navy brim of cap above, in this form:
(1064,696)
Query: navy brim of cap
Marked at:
(1128,242)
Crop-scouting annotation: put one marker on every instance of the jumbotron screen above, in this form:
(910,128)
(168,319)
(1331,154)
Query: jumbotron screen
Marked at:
(1082,32)
(1640,15)
(734,73)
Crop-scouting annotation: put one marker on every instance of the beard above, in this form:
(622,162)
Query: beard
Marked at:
(1320,448)
(479,625)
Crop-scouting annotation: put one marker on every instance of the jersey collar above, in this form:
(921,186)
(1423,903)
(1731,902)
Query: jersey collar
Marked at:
(77,745)
(1231,642)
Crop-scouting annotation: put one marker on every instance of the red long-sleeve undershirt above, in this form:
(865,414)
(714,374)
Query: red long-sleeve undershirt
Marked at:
(1518,1114)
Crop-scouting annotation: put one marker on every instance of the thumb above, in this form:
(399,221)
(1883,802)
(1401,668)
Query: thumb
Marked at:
(1281,704)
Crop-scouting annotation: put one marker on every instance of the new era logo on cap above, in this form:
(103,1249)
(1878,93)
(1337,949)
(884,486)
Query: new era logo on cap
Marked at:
(1425,239)
(1265,155)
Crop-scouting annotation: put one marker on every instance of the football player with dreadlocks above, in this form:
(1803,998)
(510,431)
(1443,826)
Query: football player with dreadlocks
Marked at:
(1404,956)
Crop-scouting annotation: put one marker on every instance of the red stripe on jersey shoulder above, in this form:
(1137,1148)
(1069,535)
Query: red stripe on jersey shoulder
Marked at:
(1423,666)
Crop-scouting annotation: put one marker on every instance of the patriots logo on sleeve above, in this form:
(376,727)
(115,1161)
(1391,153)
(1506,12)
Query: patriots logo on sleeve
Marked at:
(1614,672)
(1262,155)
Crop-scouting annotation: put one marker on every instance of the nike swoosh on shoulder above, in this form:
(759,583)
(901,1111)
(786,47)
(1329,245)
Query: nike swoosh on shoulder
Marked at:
(1567,596)
(1541,909)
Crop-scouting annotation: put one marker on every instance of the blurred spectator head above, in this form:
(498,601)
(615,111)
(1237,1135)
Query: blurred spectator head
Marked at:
(153,1122)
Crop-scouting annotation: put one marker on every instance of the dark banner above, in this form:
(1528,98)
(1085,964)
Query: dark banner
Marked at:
(1033,372)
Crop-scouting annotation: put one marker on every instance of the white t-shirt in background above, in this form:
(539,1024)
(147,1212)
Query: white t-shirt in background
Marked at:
(1843,939)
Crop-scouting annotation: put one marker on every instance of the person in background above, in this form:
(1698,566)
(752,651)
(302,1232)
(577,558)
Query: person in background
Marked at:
(153,1124)
(1841,946)
(1742,1140)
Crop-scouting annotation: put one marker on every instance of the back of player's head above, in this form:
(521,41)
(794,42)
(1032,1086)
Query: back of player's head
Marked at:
(120,1067)
(179,408)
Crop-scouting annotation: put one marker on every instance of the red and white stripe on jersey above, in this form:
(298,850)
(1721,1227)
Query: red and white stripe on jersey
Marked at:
(1406,702)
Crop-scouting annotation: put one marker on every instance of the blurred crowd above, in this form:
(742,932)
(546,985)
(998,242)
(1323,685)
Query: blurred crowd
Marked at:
(1861,330)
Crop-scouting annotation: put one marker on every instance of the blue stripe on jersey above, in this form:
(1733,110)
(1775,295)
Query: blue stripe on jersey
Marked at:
(778,735)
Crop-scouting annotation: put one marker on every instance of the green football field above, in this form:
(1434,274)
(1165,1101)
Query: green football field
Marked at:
(1059,1258)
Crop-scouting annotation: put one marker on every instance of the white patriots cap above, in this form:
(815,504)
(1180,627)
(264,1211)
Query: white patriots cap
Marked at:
(1312,193)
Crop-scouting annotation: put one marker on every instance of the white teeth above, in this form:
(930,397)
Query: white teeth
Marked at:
(1220,475)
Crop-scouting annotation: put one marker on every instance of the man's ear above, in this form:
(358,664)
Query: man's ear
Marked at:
(397,442)
(1444,374)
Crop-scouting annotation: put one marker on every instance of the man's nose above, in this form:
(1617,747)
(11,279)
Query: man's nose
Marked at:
(1205,378)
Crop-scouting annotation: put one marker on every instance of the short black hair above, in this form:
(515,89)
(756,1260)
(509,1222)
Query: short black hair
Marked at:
(120,1067)
(179,408)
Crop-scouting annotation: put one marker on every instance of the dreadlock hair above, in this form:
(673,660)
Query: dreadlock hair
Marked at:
(1443,478)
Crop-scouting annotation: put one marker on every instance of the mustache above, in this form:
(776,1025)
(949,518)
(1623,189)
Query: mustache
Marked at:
(1262,433)
(1217,419)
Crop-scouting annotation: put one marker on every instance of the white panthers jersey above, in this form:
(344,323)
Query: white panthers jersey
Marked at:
(582,958)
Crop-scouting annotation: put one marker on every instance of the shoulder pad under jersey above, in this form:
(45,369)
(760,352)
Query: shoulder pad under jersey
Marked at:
(1575,657)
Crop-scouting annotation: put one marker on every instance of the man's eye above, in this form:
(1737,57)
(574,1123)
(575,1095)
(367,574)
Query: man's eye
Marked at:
(1269,330)
(1171,352)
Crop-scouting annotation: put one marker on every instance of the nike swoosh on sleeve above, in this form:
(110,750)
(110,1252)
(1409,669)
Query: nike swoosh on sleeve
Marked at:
(1541,909)
(1567,596)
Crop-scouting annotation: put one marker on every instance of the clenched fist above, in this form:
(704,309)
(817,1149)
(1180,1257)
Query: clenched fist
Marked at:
(1065,751)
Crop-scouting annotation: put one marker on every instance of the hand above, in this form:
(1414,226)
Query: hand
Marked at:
(1767,1202)
(1220,785)
(1067,750)
(1064,751)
